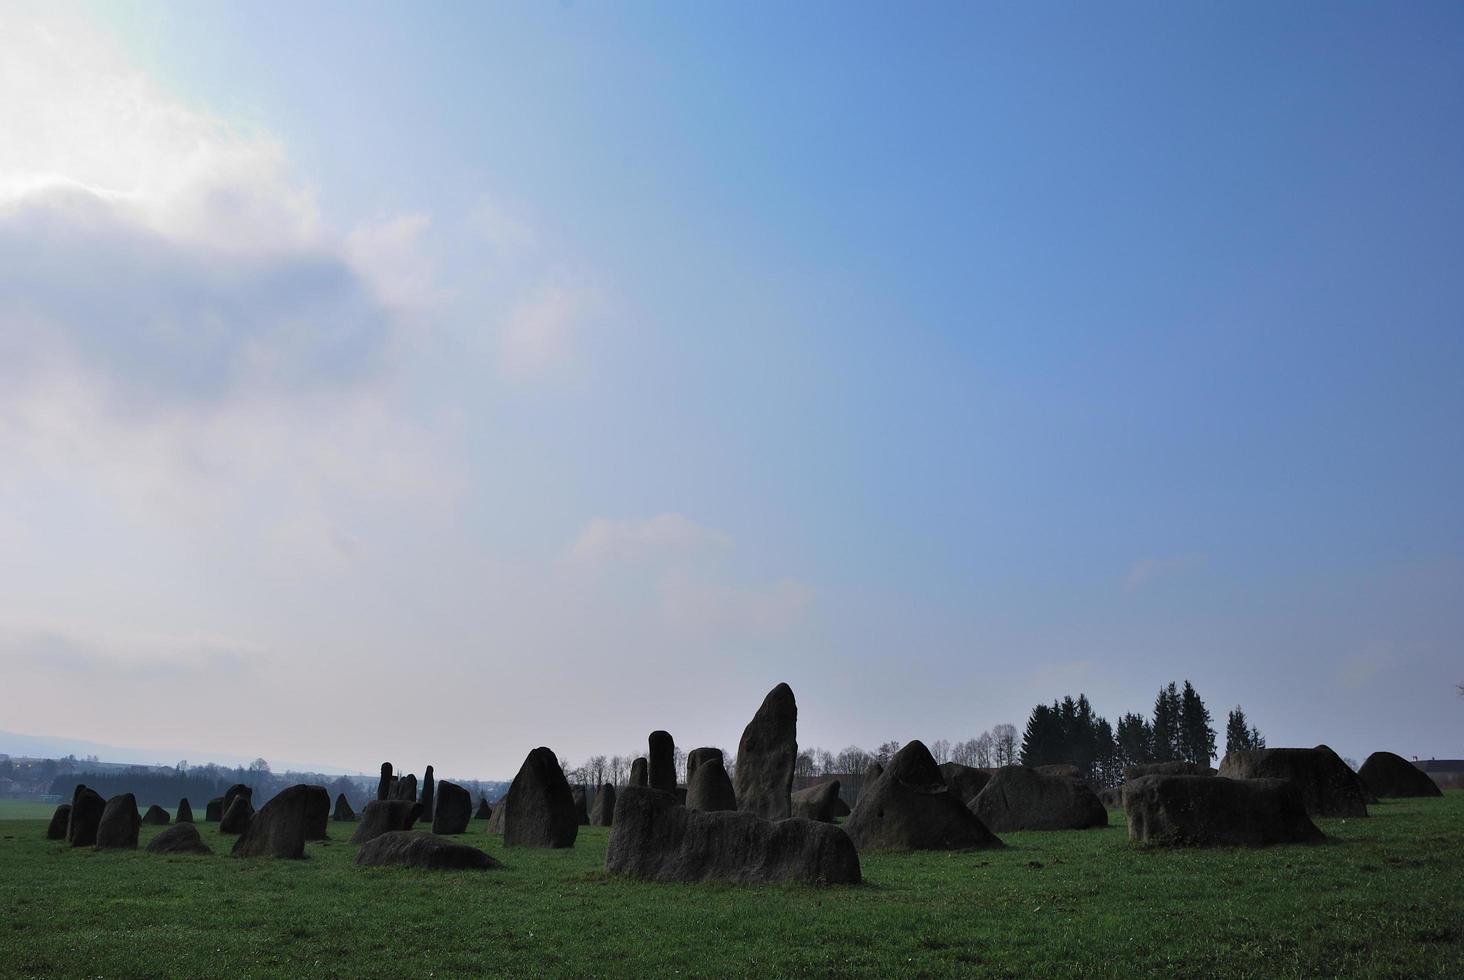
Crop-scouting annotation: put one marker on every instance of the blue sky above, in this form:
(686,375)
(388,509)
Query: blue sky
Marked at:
(568,371)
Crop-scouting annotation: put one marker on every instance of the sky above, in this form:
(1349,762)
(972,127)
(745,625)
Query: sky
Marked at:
(433,382)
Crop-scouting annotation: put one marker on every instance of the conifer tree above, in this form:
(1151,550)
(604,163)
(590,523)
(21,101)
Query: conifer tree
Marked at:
(1196,736)
(1167,718)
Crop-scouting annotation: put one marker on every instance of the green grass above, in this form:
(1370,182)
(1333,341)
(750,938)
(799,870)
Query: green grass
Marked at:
(1383,899)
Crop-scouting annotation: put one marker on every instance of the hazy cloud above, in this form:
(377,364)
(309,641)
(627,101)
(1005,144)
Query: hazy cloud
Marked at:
(659,538)
(1147,570)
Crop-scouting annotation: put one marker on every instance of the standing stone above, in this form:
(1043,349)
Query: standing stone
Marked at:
(237,817)
(59,820)
(343,811)
(185,812)
(485,811)
(429,792)
(817,803)
(1203,811)
(1328,787)
(1176,767)
(602,814)
(1386,774)
(235,791)
(638,774)
(1023,798)
(383,787)
(406,788)
(383,816)
(181,838)
(910,808)
(498,815)
(696,757)
(662,761)
(117,830)
(766,756)
(966,782)
(710,788)
(86,812)
(654,838)
(415,849)
(454,809)
(213,810)
(156,816)
(542,814)
(581,805)
(280,827)
(317,812)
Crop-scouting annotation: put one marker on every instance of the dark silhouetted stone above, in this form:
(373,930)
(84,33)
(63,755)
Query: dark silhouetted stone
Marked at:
(237,790)
(185,812)
(405,788)
(213,810)
(1111,797)
(966,782)
(181,838)
(910,808)
(156,816)
(1210,811)
(86,813)
(237,817)
(56,830)
(581,804)
(710,789)
(602,814)
(317,813)
(383,785)
(662,759)
(485,811)
(655,838)
(498,816)
(118,827)
(1327,786)
(542,813)
(429,794)
(418,849)
(343,812)
(454,809)
(1064,769)
(1022,798)
(841,809)
(281,826)
(696,757)
(1173,768)
(384,816)
(640,773)
(817,802)
(1385,774)
(766,755)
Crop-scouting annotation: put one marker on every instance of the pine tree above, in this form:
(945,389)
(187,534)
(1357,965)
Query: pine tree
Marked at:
(1167,717)
(1239,736)
(1135,741)
(1196,737)
(1043,737)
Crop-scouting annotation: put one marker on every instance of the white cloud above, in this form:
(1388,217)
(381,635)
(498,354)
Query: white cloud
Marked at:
(388,255)
(539,335)
(660,538)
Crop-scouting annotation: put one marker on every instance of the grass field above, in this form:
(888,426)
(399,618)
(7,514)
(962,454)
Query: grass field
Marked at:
(1382,899)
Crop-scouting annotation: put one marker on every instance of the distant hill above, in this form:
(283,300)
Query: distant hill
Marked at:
(54,747)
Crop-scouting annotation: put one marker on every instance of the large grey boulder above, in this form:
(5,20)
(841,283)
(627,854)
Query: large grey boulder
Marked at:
(966,782)
(1022,798)
(766,755)
(818,802)
(602,814)
(343,812)
(697,756)
(117,830)
(418,849)
(213,810)
(156,816)
(181,838)
(233,793)
(910,808)
(1200,811)
(543,813)
(710,788)
(86,813)
(405,788)
(498,816)
(656,838)
(237,817)
(57,828)
(1327,786)
(281,827)
(454,809)
(317,812)
(1386,775)
(384,816)
(662,759)
(1173,768)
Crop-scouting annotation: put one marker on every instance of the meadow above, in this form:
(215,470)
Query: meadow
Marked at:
(1382,898)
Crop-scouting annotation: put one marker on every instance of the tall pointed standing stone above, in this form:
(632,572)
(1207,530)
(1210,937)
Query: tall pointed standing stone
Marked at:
(766,756)
(543,813)
(383,788)
(663,761)
(429,791)
(638,775)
